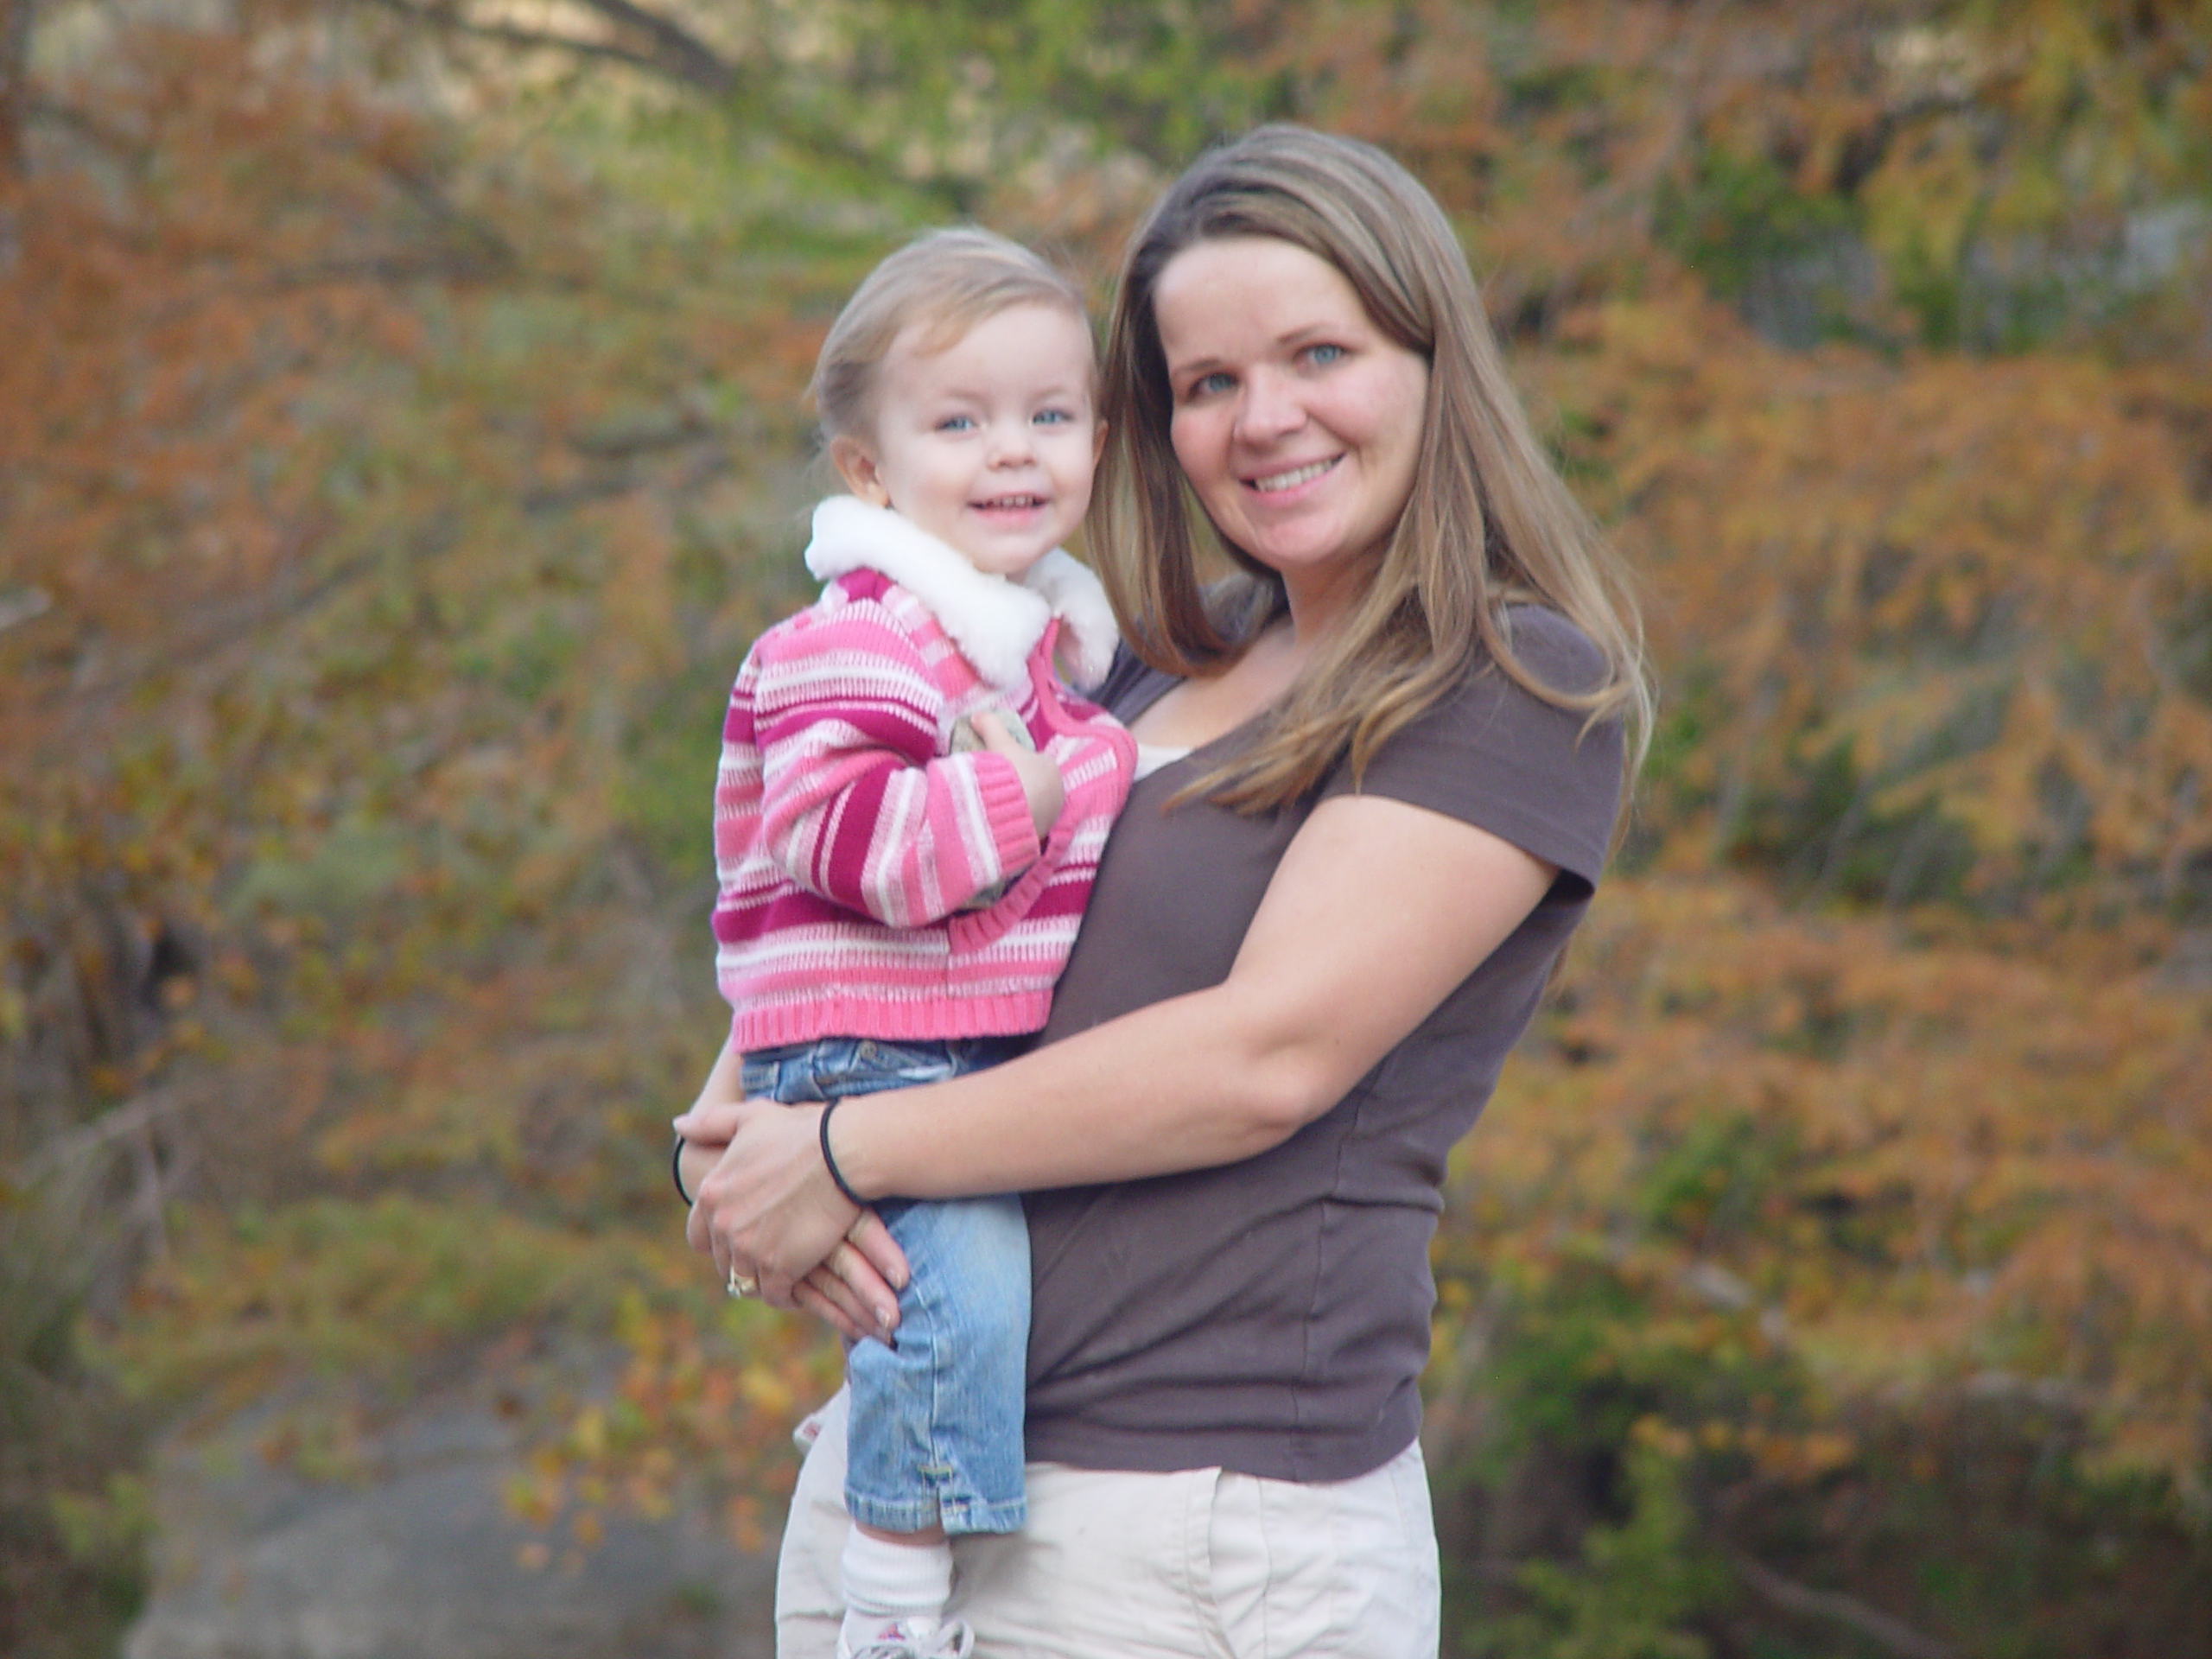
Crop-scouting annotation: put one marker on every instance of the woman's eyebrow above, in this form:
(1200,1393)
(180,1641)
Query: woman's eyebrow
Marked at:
(1182,368)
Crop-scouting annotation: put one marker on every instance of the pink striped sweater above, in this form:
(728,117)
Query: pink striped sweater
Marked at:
(848,837)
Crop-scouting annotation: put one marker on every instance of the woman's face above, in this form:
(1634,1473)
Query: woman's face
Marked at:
(1296,420)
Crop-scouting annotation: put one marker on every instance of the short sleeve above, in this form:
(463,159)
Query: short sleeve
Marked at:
(1493,755)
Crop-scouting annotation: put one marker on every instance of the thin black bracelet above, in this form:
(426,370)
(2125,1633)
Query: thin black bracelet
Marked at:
(675,1171)
(830,1160)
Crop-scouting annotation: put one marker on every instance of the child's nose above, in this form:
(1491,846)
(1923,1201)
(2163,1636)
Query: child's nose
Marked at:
(1011,445)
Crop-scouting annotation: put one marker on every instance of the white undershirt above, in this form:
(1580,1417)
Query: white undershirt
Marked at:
(1151,757)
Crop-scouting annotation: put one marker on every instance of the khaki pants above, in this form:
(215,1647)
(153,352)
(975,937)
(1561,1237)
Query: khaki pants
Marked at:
(1116,1566)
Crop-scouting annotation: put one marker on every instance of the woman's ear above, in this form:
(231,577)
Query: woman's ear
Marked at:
(856,466)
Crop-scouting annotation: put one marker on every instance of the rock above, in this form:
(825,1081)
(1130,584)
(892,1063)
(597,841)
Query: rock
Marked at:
(414,1555)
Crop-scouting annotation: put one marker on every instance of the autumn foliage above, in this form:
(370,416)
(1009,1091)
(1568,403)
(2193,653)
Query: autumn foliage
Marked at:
(399,443)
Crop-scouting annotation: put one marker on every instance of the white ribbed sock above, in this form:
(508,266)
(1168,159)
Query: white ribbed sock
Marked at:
(885,1581)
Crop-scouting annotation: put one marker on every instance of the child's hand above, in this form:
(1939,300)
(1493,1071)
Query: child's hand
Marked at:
(1040,777)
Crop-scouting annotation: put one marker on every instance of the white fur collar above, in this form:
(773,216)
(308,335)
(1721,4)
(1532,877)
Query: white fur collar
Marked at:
(995,622)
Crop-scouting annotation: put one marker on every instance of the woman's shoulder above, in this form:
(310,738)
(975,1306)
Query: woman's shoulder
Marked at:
(1494,754)
(1551,655)
(1554,652)
(1555,668)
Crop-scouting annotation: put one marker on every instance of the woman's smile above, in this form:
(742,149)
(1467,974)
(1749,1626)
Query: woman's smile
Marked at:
(1279,483)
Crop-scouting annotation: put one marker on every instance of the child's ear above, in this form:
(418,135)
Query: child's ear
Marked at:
(1097,441)
(858,468)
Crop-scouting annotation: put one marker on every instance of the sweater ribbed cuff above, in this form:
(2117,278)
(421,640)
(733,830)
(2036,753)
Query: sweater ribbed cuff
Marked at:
(1006,809)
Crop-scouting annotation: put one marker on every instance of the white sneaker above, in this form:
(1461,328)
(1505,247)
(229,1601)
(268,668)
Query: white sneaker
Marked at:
(914,1638)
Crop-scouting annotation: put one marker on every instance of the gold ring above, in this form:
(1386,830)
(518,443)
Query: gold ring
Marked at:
(740,1286)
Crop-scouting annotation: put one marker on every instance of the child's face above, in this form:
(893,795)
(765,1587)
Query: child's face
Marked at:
(989,444)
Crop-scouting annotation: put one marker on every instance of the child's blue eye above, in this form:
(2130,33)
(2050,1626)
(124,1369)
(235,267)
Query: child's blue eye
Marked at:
(1051,417)
(955,423)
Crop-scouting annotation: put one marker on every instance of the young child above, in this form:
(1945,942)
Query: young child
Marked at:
(910,811)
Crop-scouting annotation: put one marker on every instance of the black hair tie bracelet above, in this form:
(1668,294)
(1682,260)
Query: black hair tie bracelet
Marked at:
(675,1171)
(829,1160)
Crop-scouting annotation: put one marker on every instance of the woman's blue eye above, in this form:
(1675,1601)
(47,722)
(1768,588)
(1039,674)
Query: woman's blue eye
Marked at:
(1324,354)
(1209,385)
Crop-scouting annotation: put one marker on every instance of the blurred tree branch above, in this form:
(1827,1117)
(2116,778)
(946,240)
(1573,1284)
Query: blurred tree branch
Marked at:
(641,39)
(1804,1600)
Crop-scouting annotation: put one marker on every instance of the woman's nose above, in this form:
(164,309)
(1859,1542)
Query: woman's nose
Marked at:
(1267,408)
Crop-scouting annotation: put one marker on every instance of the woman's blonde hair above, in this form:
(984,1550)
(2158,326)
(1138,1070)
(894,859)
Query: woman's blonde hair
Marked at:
(947,281)
(1488,522)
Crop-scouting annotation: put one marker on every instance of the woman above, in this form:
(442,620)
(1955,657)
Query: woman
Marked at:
(1393,755)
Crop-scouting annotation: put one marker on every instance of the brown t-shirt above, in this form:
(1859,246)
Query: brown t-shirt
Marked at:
(1272,1316)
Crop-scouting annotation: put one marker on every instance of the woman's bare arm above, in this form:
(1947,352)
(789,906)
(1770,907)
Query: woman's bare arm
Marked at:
(1376,911)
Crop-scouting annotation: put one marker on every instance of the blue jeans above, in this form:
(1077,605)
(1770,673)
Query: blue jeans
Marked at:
(936,1431)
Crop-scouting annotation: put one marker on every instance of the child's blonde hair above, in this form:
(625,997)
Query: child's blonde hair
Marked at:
(948,281)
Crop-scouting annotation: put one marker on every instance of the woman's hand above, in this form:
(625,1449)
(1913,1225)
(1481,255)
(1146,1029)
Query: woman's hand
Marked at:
(853,1288)
(768,1209)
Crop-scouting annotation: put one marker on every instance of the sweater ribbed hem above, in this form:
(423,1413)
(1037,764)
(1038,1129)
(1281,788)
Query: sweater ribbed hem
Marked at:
(935,1020)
